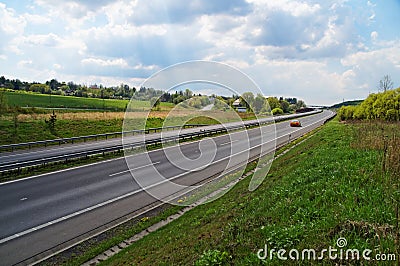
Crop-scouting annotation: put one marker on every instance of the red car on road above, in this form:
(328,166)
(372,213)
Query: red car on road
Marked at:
(295,123)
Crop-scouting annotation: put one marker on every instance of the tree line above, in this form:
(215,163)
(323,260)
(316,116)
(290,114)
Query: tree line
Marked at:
(258,104)
(383,105)
(55,87)
(123,91)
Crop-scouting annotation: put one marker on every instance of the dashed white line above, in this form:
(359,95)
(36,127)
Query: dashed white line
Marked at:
(229,142)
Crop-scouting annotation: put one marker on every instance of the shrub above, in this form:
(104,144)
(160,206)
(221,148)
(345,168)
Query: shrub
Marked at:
(384,106)
(346,112)
(277,111)
(392,115)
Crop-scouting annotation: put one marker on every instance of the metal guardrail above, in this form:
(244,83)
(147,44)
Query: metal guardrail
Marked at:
(201,133)
(71,140)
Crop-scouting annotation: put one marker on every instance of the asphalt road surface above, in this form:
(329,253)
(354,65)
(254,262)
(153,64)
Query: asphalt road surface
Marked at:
(19,156)
(49,212)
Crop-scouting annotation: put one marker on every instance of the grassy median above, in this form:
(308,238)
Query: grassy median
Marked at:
(340,183)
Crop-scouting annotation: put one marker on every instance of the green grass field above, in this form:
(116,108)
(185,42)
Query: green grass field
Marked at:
(328,187)
(24,99)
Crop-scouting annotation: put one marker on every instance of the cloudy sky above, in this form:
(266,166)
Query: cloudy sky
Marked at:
(320,51)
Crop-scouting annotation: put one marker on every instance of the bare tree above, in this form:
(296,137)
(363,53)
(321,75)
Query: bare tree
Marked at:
(385,83)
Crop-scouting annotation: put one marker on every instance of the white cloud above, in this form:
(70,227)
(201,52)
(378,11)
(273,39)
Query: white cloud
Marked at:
(25,63)
(11,26)
(11,23)
(371,66)
(36,19)
(309,80)
(295,8)
(104,63)
(321,51)
(50,39)
(374,35)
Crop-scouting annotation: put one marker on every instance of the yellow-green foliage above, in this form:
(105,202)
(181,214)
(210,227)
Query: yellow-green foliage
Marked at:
(384,106)
(346,112)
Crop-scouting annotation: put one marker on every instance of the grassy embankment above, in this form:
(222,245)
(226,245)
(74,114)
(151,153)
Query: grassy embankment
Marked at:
(342,182)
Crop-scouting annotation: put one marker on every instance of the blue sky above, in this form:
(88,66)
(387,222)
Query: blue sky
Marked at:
(320,51)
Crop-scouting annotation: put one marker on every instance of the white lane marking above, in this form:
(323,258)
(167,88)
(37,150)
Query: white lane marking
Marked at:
(108,160)
(229,142)
(143,166)
(16,235)
(122,158)
(22,199)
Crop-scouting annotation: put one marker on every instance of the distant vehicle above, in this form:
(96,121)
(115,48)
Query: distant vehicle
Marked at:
(295,123)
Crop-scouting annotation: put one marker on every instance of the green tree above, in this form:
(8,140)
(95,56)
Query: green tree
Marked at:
(37,87)
(259,103)
(53,84)
(220,104)
(285,106)
(247,100)
(51,123)
(9,85)
(277,111)
(205,100)
(273,103)
(64,87)
(188,94)
(300,104)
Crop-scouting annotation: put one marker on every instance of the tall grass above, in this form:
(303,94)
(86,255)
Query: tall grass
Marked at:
(383,137)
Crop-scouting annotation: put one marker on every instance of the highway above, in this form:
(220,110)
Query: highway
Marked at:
(41,214)
(15,159)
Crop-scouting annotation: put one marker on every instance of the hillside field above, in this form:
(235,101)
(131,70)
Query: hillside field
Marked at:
(24,99)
